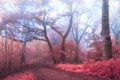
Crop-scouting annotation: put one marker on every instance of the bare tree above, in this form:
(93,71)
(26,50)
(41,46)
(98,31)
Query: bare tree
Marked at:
(115,27)
(69,14)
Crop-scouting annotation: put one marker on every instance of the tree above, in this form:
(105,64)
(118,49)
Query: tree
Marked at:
(70,14)
(44,20)
(16,25)
(106,30)
(115,27)
(73,11)
(77,38)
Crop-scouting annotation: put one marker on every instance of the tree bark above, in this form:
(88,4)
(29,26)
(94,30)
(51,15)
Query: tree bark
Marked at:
(48,42)
(65,36)
(51,49)
(23,57)
(106,30)
(76,53)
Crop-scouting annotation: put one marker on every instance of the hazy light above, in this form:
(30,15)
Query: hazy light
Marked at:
(114,6)
(89,3)
(10,7)
(59,8)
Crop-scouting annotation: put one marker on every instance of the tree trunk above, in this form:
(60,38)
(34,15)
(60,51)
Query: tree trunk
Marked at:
(65,36)
(63,44)
(49,43)
(23,58)
(51,49)
(76,53)
(106,31)
(7,57)
(107,47)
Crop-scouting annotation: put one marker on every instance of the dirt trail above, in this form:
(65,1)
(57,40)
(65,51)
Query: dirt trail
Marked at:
(55,74)
(48,73)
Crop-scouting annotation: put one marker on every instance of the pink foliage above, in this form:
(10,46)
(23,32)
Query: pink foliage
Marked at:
(109,69)
(97,51)
(116,51)
(70,52)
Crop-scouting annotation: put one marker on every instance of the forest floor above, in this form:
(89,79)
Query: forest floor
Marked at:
(38,72)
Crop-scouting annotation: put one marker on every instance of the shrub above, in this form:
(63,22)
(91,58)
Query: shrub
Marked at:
(109,69)
(70,52)
(96,52)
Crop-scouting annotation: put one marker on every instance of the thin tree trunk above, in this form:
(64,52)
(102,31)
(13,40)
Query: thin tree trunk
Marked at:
(6,50)
(64,38)
(48,42)
(23,58)
(51,49)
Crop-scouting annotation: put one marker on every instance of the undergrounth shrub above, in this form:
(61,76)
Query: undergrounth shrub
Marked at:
(109,69)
